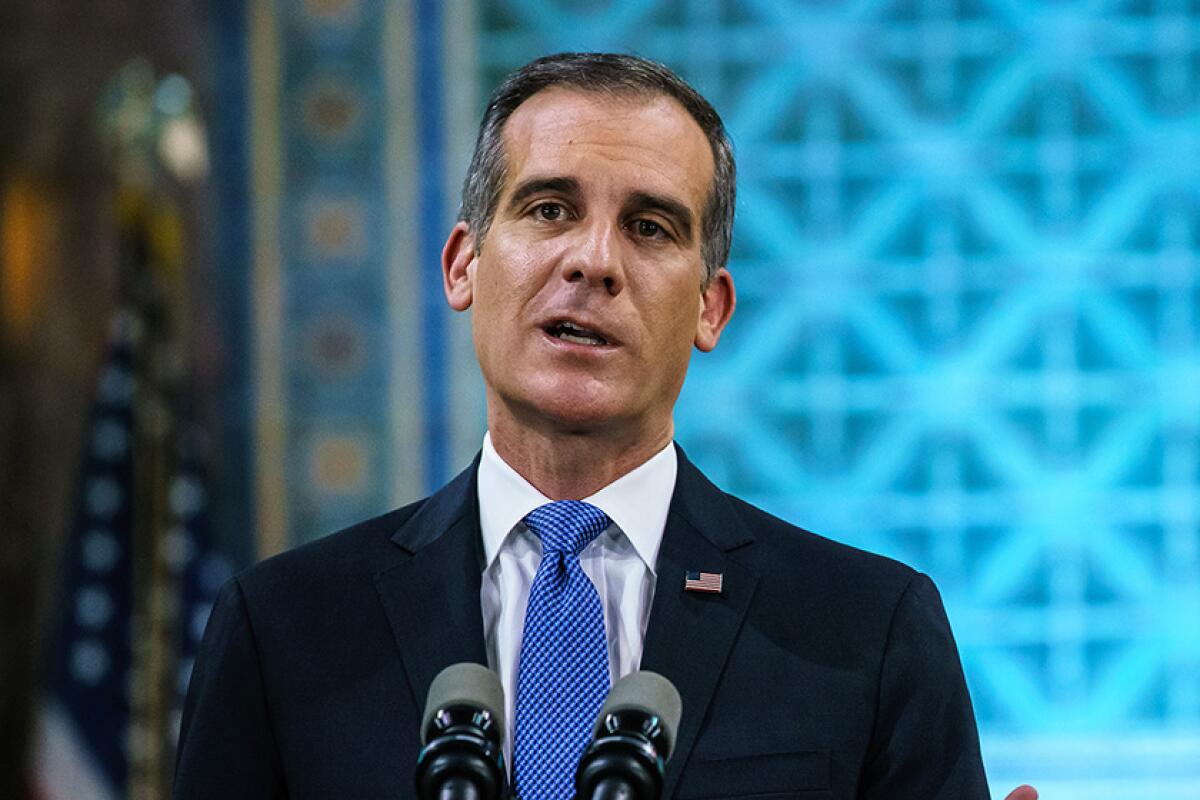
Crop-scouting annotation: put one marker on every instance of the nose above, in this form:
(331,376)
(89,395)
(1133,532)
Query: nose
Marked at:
(594,257)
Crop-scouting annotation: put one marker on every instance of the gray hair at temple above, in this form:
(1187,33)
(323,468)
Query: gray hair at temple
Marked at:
(606,73)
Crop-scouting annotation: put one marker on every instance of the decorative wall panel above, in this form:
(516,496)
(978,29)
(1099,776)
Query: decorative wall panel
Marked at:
(363,391)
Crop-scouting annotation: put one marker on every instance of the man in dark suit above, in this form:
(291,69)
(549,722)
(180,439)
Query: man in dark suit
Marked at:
(591,251)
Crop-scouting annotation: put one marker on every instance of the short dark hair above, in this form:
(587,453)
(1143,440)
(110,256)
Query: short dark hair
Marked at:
(605,73)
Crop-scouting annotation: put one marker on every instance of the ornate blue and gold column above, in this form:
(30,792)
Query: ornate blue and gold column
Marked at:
(361,400)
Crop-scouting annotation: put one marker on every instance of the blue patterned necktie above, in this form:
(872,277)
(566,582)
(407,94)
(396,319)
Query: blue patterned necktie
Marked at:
(562,678)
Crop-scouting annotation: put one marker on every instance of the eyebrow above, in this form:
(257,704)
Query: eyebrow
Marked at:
(677,211)
(532,186)
(638,201)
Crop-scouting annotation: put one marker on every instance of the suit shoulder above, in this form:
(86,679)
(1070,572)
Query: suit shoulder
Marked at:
(783,546)
(362,546)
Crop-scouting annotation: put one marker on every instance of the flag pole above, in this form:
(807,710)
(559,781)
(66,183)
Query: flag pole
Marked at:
(144,133)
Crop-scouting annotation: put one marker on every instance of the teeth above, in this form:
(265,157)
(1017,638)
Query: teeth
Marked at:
(570,337)
(569,332)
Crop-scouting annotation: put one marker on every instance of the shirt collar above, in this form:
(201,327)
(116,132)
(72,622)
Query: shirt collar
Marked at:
(637,502)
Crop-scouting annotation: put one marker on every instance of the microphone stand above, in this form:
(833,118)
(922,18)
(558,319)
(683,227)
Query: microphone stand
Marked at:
(613,789)
(459,789)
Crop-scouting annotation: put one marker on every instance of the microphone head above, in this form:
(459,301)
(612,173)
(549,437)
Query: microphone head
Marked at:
(464,684)
(649,693)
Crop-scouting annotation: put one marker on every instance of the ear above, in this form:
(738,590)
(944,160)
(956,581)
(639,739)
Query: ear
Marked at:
(458,267)
(717,302)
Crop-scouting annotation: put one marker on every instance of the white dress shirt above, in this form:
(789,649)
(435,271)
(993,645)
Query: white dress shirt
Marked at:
(619,562)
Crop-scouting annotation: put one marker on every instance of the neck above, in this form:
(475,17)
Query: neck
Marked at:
(570,464)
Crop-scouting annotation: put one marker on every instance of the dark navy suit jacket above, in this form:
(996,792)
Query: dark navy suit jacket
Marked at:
(820,672)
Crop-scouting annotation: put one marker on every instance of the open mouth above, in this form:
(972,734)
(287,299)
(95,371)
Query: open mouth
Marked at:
(570,332)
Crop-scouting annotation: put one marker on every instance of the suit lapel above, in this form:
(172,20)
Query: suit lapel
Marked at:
(431,596)
(689,635)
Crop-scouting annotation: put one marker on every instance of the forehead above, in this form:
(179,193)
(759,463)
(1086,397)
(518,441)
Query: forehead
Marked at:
(641,142)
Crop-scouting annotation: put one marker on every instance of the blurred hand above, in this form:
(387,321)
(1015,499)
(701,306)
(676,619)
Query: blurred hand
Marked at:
(1023,792)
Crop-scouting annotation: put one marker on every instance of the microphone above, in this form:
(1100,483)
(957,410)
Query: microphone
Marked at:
(634,737)
(461,729)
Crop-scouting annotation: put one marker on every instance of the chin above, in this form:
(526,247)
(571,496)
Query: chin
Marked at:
(576,409)
(581,417)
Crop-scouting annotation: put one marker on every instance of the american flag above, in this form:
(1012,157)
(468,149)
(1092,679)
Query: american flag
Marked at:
(709,582)
(86,716)
(90,731)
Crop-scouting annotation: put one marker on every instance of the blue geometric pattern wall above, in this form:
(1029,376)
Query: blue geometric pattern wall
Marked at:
(968,334)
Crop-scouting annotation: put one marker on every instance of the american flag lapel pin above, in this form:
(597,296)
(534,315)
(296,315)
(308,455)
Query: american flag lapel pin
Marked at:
(695,580)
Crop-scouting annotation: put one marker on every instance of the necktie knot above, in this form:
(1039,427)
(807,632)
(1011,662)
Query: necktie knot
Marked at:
(566,526)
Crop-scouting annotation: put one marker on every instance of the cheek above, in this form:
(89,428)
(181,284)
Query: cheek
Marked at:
(678,309)
(503,283)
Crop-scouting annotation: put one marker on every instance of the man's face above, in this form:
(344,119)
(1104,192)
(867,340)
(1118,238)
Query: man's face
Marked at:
(586,290)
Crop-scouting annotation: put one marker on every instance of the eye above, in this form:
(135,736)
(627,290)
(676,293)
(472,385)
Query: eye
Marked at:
(648,229)
(550,212)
